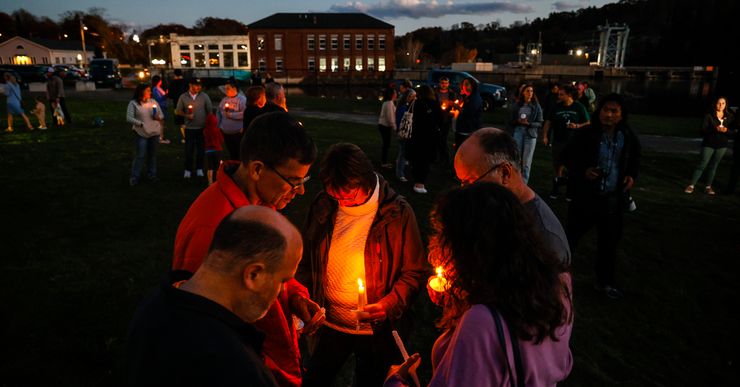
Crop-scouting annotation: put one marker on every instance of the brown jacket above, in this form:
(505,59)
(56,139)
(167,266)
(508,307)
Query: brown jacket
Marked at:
(395,265)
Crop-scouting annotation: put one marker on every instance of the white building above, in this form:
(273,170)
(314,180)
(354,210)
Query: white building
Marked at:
(228,52)
(23,51)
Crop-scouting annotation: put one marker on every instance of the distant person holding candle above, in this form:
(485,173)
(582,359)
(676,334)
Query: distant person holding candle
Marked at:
(194,106)
(525,121)
(231,119)
(491,155)
(363,261)
(146,117)
(276,155)
(717,131)
(201,329)
(508,312)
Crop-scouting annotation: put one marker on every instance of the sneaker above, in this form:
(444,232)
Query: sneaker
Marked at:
(420,190)
(186,175)
(42,128)
(689,189)
(402,179)
(9,130)
(164,141)
(199,173)
(709,191)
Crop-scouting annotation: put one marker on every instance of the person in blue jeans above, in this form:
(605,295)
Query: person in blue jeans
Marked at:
(526,120)
(146,117)
(403,103)
(716,130)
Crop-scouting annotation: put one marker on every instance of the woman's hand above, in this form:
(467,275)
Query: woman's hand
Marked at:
(405,372)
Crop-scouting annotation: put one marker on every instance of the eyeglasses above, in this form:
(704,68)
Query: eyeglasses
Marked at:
(293,186)
(493,168)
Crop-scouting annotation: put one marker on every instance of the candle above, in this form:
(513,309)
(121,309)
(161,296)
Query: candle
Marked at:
(438,283)
(405,354)
(226,106)
(361,299)
(190,109)
(154,111)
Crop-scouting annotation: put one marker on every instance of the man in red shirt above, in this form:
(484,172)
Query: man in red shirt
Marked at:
(276,154)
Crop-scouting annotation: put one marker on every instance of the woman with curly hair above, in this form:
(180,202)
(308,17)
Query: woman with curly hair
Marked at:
(507,310)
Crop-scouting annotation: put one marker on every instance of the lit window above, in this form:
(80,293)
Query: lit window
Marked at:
(334,64)
(322,64)
(186,60)
(346,64)
(213,59)
(260,42)
(381,63)
(200,59)
(358,63)
(370,64)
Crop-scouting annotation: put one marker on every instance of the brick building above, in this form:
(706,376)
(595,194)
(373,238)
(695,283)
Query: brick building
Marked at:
(298,45)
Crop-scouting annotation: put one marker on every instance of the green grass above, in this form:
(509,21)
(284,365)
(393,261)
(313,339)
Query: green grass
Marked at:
(81,248)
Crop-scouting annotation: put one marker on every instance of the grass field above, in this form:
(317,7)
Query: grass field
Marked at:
(80,248)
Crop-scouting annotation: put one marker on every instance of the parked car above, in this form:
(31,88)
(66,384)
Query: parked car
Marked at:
(493,95)
(70,74)
(29,73)
(104,72)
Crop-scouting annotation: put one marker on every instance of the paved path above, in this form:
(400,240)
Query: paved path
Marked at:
(666,144)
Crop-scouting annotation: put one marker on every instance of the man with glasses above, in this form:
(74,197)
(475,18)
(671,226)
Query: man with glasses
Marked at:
(359,228)
(276,154)
(491,155)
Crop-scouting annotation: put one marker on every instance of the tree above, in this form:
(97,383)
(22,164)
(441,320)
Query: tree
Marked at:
(218,26)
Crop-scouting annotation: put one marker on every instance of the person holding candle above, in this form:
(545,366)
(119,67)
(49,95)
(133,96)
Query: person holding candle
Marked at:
(146,117)
(359,228)
(231,118)
(470,117)
(194,106)
(491,155)
(525,121)
(716,130)
(508,316)
(276,155)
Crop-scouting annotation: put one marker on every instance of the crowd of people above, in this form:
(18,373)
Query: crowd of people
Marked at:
(254,299)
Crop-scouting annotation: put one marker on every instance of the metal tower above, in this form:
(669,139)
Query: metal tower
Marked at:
(613,45)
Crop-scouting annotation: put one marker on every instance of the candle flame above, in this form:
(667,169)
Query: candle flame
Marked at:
(360,285)
(439,271)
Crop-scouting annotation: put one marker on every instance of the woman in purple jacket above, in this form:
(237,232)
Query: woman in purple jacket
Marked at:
(507,310)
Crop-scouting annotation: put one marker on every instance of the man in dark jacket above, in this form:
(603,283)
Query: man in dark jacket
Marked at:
(603,161)
(198,331)
(359,231)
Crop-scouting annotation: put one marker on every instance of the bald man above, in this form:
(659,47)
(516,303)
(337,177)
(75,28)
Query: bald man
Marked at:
(199,330)
(490,154)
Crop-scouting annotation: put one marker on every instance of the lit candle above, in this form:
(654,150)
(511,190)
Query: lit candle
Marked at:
(438,283)
(190,109)
(226,106)
(361,299)
(154,111)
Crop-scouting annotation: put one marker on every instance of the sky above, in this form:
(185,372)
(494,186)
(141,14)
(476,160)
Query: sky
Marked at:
(405,15)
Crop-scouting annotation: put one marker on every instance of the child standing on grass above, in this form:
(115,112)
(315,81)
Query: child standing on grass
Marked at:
(40,112)
(213,144)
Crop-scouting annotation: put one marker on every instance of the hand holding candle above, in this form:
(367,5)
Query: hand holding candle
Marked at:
(405,355)
(438,283)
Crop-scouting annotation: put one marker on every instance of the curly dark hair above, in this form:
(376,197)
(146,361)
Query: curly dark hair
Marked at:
(494,255)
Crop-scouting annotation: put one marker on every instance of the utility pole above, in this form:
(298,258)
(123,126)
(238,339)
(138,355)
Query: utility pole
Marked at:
(84,49)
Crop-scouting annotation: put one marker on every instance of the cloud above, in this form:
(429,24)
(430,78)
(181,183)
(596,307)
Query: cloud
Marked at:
(416,9)
(562,6)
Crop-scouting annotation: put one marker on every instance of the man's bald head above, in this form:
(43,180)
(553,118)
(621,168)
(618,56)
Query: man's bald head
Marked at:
(484,149)
(251,234)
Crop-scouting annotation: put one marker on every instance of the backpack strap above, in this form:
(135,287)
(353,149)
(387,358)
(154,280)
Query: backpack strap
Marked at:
(519,382)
